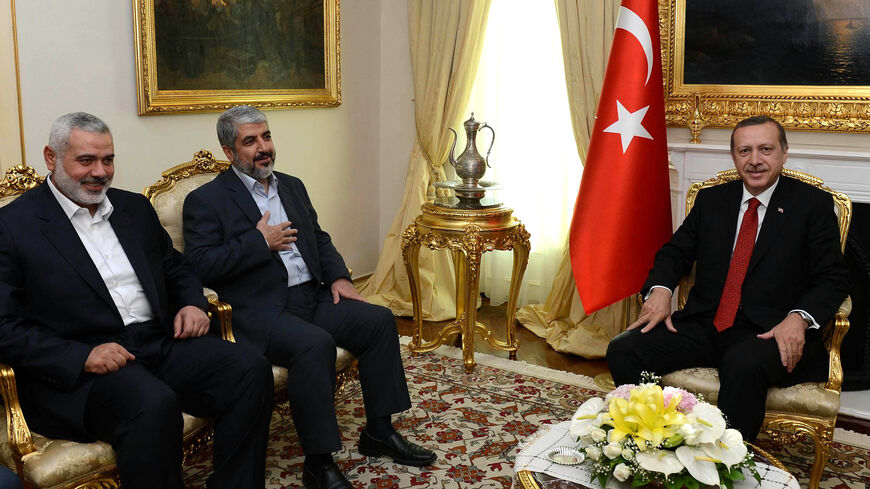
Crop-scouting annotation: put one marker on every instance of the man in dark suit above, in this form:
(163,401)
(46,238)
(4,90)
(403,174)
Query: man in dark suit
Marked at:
(769,272)
(105,325)
(293,299)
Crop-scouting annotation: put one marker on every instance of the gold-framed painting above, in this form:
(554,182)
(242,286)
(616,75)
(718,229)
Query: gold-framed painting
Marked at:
(805,63)
(209,55)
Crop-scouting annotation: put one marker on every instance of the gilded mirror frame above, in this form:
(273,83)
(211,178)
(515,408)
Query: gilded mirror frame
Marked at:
(152,100)
(798,107)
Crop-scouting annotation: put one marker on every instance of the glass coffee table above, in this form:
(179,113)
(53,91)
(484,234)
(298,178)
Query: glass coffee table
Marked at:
(774,474)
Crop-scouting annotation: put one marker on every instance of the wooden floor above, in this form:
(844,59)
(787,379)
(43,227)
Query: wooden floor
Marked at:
(536,351)
(533,350)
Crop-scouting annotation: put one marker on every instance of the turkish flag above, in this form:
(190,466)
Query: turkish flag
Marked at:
(623,214)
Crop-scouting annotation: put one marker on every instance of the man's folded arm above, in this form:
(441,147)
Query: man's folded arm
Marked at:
(182,286)
(211,258)
(675,259)
(828,284)
(32,347)
(42,353)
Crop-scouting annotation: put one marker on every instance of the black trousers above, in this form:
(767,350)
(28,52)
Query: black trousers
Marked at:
(748,366)
(304,340)
(137,409)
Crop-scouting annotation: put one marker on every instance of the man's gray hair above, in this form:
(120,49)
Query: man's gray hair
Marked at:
(58,137)
(229,121)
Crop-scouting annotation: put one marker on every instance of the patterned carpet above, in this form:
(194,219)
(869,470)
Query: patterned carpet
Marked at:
(474,423)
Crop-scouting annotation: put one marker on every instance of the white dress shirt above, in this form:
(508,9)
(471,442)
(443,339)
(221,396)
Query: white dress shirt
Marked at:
(108,256)
(764,201)
(297,270)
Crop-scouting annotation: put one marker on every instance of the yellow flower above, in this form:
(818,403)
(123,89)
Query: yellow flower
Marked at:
(644,416)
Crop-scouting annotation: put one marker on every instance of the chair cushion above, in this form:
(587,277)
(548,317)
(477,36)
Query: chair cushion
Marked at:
(59,461)
(168,205)
(343,359)
(810,398)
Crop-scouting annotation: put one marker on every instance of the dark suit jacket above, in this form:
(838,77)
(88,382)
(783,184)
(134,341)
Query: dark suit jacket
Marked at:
(231,256)
(796,262)
(55,307)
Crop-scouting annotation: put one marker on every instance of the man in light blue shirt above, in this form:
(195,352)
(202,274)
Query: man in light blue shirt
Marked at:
(252,235)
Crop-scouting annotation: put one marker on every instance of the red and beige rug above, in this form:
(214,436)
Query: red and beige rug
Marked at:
(474,422)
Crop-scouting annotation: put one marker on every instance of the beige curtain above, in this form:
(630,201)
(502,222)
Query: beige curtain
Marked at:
(587,32)
(446,39)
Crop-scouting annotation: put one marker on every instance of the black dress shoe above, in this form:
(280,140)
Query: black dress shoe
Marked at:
(396,447)
(324,477)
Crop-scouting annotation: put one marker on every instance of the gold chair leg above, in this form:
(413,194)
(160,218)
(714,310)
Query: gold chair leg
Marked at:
(822,438)
(787,430)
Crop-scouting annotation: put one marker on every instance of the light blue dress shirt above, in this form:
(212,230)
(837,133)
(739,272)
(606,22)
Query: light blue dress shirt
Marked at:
(297,270)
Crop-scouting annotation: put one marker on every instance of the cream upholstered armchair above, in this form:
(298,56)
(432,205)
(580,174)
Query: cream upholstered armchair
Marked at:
(808,409)
(167,197)
(43,462)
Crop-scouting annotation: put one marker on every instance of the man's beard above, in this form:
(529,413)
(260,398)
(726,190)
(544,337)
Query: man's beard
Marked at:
(252,170)
(75,191)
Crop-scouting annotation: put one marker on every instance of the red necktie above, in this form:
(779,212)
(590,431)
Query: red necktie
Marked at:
(737,270)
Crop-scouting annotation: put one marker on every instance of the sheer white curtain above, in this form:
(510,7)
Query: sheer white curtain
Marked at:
(520,91)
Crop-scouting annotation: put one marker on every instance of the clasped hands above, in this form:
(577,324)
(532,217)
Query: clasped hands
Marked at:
(190,322)
(790,333)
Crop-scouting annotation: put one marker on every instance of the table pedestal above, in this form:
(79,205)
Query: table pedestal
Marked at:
(467,233)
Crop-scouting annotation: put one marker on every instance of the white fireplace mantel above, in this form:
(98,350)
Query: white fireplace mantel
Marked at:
(843,171)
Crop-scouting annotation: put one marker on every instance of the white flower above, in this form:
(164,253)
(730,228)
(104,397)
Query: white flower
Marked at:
(699,465)
(661,461)
(586,417)
(621,472)
(613,450)
(708,420)
(730,449)
(593,452)
(627,453)
(689,433)
(597,434)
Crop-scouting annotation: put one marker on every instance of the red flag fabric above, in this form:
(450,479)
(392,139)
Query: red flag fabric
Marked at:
(623,214)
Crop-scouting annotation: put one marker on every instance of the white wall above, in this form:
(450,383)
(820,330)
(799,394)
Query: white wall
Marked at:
(10,146)
(397,109)
(79,56)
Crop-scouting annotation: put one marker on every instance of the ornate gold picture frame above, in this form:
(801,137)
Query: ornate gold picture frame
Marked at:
(207,56)
(841,107)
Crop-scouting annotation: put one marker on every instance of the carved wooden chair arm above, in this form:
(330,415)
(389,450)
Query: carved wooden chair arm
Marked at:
(223,311)
(20,438)
(834,333)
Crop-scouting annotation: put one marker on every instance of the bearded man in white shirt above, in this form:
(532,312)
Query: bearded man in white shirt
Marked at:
(105,325)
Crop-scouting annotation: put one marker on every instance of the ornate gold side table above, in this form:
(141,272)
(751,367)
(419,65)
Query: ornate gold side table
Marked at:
(467,233)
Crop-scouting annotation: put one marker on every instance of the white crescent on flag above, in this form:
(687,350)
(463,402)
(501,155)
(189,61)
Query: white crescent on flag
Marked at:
(634,25)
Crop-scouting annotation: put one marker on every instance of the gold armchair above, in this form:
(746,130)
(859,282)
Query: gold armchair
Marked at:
(808,409)
(167,197)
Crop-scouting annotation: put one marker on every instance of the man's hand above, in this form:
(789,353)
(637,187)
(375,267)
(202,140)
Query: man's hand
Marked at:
(279,236)
(790,335)
(656,309)
(190,322)
(108,357)
(344,288)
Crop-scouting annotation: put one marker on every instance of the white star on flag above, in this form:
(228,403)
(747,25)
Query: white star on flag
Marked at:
(628,125)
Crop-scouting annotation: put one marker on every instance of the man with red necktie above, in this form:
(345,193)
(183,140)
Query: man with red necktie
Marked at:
(769,273)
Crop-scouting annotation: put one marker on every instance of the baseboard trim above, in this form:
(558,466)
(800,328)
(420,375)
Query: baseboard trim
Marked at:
(851,423)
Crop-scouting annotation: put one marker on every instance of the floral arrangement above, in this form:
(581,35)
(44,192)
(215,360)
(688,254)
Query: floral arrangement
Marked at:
(649,434)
